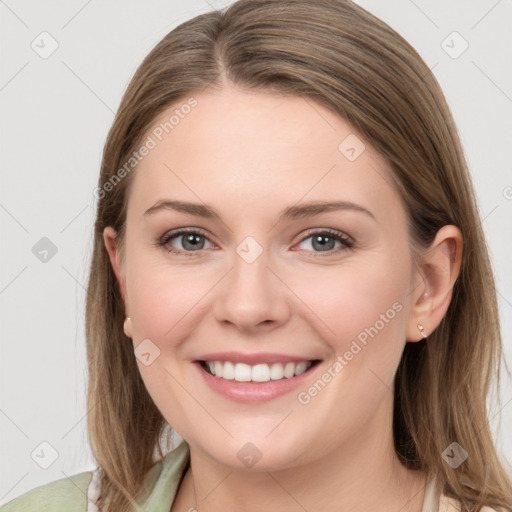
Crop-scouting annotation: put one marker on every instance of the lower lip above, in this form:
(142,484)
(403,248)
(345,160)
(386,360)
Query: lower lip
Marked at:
(251,391)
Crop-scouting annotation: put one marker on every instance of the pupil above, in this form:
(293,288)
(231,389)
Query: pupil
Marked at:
(192,239)
(321,239)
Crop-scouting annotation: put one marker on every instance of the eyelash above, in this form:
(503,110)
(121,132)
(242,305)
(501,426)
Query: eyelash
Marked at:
(346,241)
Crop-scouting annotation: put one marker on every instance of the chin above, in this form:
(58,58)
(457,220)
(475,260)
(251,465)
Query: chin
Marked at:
(255,452)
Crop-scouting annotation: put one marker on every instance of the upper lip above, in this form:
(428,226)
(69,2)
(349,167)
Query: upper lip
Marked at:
(256,358)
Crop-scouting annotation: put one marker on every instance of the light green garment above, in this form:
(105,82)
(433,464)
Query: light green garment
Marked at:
(70,494)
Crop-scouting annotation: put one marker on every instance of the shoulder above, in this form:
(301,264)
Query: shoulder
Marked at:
(78,493)
(65,495)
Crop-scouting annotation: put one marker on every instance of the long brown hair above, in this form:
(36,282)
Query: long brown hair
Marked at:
(339,55)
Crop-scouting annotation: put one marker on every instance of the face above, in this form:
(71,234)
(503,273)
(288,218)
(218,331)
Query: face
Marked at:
(304,310)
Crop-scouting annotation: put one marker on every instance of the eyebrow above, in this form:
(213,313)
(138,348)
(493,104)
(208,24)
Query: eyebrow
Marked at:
(304,210)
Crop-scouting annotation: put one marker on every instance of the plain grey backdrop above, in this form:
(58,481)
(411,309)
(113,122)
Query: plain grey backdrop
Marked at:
(65,66)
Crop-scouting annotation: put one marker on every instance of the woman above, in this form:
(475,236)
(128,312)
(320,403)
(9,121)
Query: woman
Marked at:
(289,270)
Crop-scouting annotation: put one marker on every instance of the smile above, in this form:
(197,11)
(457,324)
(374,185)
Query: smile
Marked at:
(241,372)
(256,377)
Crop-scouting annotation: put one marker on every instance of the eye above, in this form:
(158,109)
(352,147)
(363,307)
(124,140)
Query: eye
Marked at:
(191,240)
(325,241)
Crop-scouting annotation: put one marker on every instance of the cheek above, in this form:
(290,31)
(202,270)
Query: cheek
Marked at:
(357,302)
(163,297)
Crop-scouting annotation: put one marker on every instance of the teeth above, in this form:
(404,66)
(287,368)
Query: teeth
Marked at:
(218,369)
(228,372)
(289,370)
(301,368)
(242,372)
(261,373)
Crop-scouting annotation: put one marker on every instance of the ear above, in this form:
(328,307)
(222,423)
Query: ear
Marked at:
(116,260)
(436,277)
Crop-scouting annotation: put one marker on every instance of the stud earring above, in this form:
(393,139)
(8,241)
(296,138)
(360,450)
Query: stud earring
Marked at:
(126,328)
(421,328)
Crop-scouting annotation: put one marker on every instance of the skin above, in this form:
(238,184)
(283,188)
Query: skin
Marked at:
(250,155)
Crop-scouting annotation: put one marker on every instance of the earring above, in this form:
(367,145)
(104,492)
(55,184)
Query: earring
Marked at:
(126,328)
(420,327)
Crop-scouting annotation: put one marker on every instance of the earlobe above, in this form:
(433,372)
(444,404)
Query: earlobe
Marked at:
(127,327)
(437,276)
(109,238)
(422,330)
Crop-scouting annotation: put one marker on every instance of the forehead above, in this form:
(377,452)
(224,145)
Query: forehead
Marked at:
(235,148)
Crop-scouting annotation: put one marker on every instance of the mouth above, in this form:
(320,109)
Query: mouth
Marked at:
(257,373)
(257,377)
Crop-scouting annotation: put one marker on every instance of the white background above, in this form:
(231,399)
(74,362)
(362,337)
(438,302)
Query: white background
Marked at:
(55,117)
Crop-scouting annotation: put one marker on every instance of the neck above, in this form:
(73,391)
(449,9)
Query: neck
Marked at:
(363,474)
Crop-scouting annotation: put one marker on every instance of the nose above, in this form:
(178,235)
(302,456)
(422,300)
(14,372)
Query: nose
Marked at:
(252,297)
